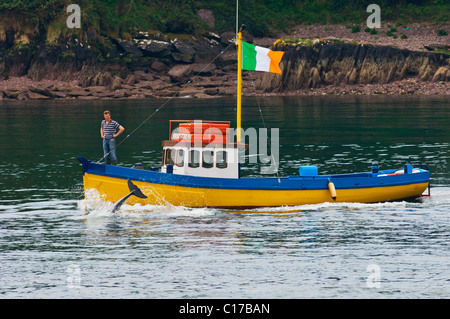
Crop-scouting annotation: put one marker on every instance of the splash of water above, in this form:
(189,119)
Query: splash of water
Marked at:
(95,205)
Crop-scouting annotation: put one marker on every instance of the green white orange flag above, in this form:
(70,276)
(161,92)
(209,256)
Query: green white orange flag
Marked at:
(255,58)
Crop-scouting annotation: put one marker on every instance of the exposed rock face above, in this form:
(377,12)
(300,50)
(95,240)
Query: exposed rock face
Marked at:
(69,59)
(442,74)
(332,64)
(180,72)
(152,65)
(128,47)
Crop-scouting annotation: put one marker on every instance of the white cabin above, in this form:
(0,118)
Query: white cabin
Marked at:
(201,148)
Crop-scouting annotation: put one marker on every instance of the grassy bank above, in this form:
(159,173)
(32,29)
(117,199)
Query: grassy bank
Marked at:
(263,17)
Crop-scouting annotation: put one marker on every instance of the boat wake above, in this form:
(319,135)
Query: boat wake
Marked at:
(95,205)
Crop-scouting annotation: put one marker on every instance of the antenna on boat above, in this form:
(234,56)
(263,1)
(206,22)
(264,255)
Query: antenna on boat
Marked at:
(237,18)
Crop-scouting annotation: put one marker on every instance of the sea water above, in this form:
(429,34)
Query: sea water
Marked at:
(55,242)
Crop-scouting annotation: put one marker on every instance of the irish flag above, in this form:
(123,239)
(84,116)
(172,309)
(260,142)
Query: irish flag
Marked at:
(256,58)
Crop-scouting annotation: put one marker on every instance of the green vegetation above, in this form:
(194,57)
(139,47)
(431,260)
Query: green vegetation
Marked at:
(442,51)
(356,29)
(442,32)
(262,17)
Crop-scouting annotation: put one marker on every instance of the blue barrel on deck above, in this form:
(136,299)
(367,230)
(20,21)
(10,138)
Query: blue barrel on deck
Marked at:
(308,171)
(375,167)
(408,169)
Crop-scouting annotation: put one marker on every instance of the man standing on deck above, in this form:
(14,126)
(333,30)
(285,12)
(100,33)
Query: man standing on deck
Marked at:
(108,132)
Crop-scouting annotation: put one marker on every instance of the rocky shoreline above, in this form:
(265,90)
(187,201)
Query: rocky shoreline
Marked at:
(153,66)
(23,88)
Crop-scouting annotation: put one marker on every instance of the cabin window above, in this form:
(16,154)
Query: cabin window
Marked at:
(193,159)
(179,158)
(208,159)
(169,156)
(221,159)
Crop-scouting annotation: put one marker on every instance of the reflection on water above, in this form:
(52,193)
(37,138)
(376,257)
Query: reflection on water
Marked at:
(52,249)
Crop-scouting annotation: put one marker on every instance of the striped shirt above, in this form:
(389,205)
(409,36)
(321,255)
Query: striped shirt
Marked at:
(109,129)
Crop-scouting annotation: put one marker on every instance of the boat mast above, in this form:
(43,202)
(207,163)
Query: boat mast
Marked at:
(239,74)
(239,86)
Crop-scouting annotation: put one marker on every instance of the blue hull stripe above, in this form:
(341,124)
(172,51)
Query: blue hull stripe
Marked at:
(343,181)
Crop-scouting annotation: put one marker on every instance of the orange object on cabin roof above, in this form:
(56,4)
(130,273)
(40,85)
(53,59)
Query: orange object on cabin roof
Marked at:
(201,131)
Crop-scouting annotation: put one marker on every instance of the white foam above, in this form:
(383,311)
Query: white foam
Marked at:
(328,206)
(95,205)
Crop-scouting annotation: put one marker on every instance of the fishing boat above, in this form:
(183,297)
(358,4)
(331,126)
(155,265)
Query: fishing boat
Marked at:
(201,168)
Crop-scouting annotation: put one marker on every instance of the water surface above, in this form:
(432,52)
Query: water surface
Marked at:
(49,248)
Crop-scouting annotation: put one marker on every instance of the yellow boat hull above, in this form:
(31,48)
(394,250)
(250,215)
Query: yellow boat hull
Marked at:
(113,189)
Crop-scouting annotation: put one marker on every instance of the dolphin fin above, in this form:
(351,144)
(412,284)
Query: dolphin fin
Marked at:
(134,190)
